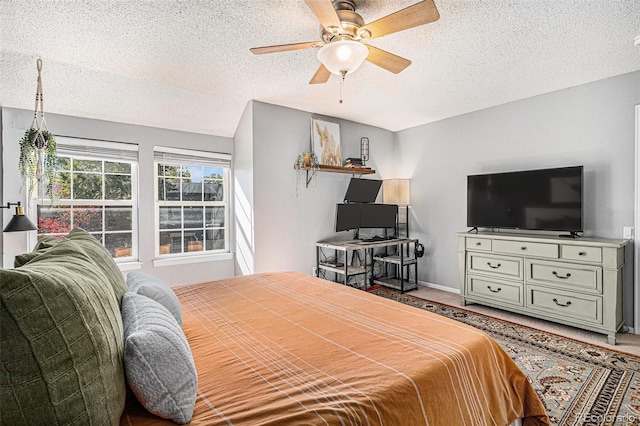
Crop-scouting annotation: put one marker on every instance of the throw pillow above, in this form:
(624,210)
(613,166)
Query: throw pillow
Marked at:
(158,363)
(102,258)
(61,346)
(154,288)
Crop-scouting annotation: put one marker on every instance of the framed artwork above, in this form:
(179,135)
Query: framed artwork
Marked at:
(325,142)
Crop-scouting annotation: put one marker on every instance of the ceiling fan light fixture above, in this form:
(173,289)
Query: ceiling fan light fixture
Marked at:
(343,57)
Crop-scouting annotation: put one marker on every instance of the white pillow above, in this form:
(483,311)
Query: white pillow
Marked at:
(154,288)
(158,363)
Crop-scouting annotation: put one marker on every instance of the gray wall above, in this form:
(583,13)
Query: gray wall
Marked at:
(590,125)
(15,122)
(287,226)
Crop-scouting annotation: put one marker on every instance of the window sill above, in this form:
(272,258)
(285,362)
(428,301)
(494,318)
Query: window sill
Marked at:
(129,266)
(184,260)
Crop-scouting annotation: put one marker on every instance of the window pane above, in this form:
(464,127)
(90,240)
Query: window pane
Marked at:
(87,186)
(191,191)
(54,219)
(168,189)
(118,218)
(213,173)
(170,242)
(88,218)
(193,217)
(168,170)
(62,185)
(119,245)
(117,187)
(170,217)
(87,165)
(193,241)
(215,217)
(214,239)
(63,163)
(213,191)
(111,167)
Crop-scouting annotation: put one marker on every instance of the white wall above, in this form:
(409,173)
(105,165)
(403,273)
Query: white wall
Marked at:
(590,125)
(243,193)
(287,227)
(14,124)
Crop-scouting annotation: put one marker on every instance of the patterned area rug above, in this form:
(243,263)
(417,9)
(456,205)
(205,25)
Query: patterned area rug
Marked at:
(578,383)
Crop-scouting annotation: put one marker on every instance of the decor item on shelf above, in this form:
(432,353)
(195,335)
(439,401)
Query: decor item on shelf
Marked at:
(398,191)
(341,48)
(19,222)
(364,150)
(307,162)
(37,163)
(325,142)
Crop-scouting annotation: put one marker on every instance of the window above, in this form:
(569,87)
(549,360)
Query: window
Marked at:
(95,189)
(192,202)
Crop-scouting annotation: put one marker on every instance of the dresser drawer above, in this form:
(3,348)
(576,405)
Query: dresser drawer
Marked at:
(478,244)
(586,254)
(496,290)
(526,248)
(565,305)
(504,266)
(566,276)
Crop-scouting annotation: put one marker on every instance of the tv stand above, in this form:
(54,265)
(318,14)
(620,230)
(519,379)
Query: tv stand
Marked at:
(576,282)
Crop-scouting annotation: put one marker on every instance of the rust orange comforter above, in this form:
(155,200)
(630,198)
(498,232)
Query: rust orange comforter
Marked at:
(286,348)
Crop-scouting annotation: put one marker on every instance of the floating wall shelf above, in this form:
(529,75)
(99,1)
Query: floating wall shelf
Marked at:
(336,169)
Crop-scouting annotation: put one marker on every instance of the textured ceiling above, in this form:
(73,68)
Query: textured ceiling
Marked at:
(186,64)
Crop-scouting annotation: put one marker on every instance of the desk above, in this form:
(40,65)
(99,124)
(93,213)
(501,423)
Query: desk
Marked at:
(393,252)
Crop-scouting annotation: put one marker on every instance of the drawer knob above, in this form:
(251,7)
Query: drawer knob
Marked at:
(561,276)
(582,253)
(560,304)
(478,243)
(523,248)
(494,267)
(494,291)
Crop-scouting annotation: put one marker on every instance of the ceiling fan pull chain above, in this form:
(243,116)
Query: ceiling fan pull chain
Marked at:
(344,73)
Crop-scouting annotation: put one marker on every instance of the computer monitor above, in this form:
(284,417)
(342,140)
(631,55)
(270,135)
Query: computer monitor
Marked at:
(378,215)
(362,190)
(347,217)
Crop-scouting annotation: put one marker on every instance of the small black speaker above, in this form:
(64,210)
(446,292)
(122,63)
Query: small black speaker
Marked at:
(419,250)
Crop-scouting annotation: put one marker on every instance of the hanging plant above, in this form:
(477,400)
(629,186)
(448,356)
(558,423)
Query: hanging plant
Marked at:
(37,160)
(38,154)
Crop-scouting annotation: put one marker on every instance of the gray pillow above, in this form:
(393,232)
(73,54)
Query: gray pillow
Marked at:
(153,288)
(158,363)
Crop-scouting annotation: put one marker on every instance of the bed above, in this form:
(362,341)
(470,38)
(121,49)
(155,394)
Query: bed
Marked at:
(287,348)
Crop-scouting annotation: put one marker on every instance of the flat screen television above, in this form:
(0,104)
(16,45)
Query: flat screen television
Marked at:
(362,190)
(543,200)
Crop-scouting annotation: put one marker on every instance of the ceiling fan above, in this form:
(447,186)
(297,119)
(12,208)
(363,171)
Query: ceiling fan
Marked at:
(341,48)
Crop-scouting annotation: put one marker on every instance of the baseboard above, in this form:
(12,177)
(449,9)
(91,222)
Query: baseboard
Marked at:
(439,287)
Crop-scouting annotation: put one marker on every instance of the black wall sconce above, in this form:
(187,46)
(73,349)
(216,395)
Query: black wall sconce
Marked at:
(19,222)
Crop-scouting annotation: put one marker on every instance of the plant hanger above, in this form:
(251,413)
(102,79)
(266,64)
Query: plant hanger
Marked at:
(38,147)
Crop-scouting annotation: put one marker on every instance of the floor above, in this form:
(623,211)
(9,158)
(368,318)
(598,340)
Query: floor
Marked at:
(625,342)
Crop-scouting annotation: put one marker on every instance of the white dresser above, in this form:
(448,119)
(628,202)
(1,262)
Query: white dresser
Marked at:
(577,282)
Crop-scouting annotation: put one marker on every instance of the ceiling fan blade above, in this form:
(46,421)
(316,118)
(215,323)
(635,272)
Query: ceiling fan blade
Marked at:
(326,14)
(412,16)
(386,60)
(321,76)
(285,47)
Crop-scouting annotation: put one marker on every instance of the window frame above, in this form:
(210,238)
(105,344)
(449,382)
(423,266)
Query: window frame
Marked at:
(103,151)
(181,157)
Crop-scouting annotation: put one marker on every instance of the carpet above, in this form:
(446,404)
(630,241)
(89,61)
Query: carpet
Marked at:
(578,383)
